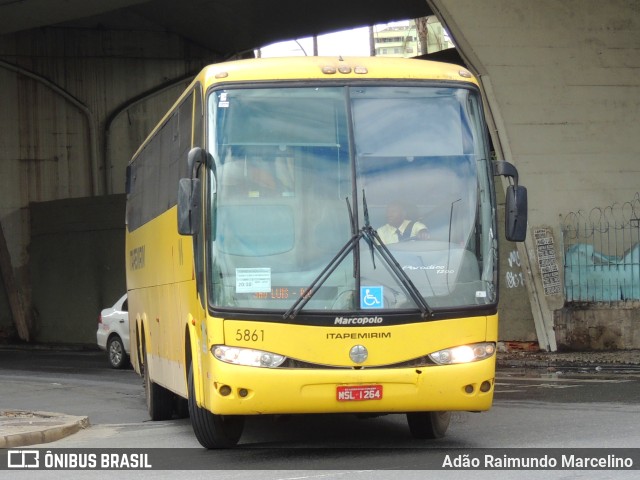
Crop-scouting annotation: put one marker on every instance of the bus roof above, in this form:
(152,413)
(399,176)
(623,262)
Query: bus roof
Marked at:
(334,68)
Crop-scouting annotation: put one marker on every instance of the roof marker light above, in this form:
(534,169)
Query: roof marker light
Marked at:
(328,70)
(360,70)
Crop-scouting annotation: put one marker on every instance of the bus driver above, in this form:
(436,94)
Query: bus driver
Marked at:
(399,229)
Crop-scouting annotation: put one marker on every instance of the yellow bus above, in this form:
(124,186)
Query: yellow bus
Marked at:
(317,235)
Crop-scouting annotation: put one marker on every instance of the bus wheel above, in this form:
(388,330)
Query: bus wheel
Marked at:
(159,399)
(213,431)
(428,424)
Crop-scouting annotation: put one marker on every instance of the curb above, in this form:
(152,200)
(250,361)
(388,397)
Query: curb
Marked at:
(22,428)
(623,361)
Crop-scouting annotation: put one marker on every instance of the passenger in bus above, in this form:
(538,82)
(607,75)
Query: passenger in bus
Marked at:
(258,177)
(249,176)
(399,228)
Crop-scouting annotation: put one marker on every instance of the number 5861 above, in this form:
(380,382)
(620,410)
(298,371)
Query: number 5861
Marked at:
(248,335)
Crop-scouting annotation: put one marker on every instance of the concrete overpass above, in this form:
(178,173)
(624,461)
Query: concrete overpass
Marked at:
(82,83)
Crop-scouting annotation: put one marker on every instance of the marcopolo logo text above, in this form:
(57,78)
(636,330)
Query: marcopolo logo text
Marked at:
(358,320)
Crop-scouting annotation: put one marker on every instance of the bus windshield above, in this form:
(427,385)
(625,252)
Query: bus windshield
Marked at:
(299,171)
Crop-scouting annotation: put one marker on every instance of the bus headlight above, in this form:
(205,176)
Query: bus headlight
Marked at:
(247,356)
(463,353)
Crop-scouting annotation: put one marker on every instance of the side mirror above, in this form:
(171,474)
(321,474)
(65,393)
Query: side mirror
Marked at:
(189,202)
(515,213)
(516,206)
(189,217)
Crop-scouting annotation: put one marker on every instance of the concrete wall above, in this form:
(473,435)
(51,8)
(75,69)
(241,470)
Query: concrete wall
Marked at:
(562,85)
(516,321)
(598,327)
(76,104)
(77,265)
(7,328)
(60,89)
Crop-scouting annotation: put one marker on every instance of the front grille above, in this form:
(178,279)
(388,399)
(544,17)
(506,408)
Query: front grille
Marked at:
(423,361)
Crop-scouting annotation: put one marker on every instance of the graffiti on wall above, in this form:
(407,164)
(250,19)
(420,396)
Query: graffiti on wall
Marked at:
(514,277)
(602,254)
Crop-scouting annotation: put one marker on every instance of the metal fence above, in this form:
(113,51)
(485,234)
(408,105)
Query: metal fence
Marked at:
(602,254)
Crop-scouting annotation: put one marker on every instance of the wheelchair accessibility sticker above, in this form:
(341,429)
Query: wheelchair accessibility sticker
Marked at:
(371,297)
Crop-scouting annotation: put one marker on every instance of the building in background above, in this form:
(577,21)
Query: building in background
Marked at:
(411,38)
(397,41)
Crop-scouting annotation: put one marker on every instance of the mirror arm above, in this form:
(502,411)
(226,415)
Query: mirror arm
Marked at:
(195,159)
(506,169)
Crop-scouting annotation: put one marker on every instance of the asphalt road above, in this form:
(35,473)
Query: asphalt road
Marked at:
(532,409)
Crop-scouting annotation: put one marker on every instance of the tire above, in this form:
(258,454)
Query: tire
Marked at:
(116,354)
(159,399)
(428,425)
(213,431)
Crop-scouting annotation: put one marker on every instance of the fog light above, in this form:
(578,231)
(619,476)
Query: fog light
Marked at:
(225,390)
(468,389)
(243,392)
(485,386)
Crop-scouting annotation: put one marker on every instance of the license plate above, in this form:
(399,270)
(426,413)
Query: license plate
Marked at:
(358,393)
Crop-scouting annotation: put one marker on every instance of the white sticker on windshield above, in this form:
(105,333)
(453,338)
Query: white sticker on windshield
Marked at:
(253,280)
(223,103)
(481,294)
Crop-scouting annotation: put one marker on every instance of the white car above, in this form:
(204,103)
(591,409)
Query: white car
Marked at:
(113,333)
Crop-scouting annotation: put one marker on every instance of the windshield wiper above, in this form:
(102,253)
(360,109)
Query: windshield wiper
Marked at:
(311,290)
(365,211)
(373,240)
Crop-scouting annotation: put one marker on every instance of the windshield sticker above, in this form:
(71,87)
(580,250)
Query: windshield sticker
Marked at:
(481,294)
(223,103)
(371,297)
(253,280)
